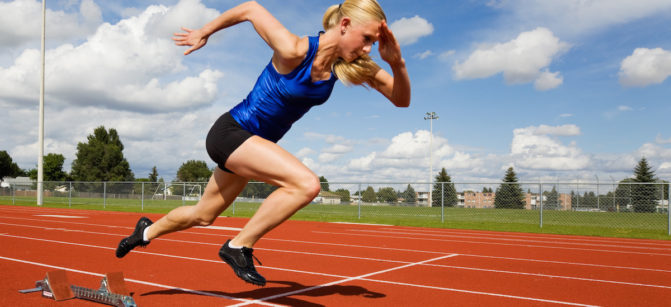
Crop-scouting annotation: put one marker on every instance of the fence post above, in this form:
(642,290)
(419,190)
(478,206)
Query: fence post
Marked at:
(668,211)
(540,193)
(183,193)
(442,202)
(11,189)
(359,201)
(104,194)
(70,195)
(142,198)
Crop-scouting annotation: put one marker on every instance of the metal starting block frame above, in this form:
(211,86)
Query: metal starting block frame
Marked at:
(112,289)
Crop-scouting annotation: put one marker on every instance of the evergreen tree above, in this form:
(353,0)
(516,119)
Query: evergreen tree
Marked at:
(552,200)
(324,183)
(509,195)
(101,158)
(443,191)
(153,176)
(409,195)
(193,171)
(643,195)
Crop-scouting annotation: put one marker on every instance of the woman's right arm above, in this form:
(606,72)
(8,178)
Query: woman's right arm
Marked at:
(285,44)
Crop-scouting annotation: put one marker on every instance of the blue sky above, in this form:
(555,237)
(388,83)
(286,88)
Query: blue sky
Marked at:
(559,90)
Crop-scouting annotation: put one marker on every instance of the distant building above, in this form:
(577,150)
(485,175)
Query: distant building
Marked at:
(479,200)
(326,197)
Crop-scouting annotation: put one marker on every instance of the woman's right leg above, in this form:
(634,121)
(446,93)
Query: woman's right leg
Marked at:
(220,192)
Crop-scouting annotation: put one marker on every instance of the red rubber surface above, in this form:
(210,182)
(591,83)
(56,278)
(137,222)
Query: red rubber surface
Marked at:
(328,264)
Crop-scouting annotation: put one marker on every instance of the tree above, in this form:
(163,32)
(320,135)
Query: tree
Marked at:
(443,192)
(53,168)
(643,195)
(387,195)
(344,195)
(193,171)
(509,195)
(552,200)
(7,167)
(257,189)
(101,158)
(409,195)
(153,176)
(324,183)
(368,195)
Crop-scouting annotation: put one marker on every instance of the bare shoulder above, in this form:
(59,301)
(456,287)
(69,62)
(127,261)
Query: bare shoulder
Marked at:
(287,61)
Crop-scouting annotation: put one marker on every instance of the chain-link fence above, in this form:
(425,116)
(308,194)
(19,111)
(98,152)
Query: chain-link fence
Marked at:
(627,207)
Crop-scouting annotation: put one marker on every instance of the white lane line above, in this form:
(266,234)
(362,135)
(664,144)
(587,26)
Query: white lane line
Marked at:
(409,263)
(495,243)
(62,216)
(135,281)
(355,246)
(520,240)
(341,281)
(218,228)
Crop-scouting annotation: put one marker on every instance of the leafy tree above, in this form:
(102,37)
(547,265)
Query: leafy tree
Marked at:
(324,183)
(387,195)
(409,195)
(153,176)
(53,167)
(257,189)
(509,195)
(344,195)
(7,167)
(368,195)
(193,171)
(101,158)
(643,195)
(443,192)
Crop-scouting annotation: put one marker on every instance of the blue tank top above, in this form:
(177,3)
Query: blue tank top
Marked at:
(277,101)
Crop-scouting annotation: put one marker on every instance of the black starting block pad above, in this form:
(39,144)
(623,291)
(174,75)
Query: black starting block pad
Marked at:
(112,289)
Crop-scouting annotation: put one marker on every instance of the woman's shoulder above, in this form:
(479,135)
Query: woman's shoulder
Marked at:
(287,62)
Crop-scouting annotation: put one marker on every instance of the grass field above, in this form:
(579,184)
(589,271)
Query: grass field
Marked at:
(611,224)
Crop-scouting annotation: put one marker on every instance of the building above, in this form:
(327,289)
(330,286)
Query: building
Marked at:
(479,200)
(326,197)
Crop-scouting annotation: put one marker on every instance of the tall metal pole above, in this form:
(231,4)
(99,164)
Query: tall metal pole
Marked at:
(40,132)
(431,116)
(597,192)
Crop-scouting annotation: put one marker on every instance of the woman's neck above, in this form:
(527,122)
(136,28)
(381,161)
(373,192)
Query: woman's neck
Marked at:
(327,53)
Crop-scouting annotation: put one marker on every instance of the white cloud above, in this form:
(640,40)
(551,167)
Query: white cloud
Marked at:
(304,152)
(645,67)
(624,108)
(578,17)
(522,60)
(445,56)
(21,22)
(423,55)
(409,30)
(660,140)
(533,148)
(120,67)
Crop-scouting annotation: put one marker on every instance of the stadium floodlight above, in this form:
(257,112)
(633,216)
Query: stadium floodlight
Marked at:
(430,116)
(40,132)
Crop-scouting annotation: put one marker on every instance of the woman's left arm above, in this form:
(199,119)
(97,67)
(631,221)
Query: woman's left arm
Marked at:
(397,87)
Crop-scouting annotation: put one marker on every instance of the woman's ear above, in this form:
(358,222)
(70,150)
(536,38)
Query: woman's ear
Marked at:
(345,23)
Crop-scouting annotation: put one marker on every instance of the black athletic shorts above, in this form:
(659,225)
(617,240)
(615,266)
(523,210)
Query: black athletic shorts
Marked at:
(225,136)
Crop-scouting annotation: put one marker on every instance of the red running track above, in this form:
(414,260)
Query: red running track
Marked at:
(330,264)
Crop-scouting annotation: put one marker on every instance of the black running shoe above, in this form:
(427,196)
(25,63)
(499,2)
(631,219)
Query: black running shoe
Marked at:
(241,262)
(135,239)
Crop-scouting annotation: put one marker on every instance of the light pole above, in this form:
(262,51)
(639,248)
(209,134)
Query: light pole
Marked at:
(597,192)
(430,116)
(40,132)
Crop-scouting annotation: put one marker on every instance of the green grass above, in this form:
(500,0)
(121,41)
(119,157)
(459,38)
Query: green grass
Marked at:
(607,224)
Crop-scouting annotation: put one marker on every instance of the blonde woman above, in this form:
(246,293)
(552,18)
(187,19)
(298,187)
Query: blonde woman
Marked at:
(300,75)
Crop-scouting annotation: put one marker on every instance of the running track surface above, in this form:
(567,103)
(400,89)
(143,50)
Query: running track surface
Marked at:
(330,264)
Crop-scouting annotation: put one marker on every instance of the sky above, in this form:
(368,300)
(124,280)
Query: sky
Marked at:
(560,90)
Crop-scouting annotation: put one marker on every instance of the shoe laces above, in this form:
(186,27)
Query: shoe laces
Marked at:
(248,252)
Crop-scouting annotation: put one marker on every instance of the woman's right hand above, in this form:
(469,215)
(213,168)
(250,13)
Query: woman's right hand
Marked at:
(194,38)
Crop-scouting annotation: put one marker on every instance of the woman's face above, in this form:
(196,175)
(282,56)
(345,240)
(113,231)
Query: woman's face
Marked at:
(358,39)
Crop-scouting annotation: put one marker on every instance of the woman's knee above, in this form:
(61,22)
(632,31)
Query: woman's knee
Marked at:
(309,186)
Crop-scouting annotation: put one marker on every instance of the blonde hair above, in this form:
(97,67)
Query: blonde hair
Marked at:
(363,68)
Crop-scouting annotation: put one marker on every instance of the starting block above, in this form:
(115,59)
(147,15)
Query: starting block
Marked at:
(112,289)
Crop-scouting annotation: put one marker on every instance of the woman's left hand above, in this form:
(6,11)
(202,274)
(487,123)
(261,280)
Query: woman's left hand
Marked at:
(390,50)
